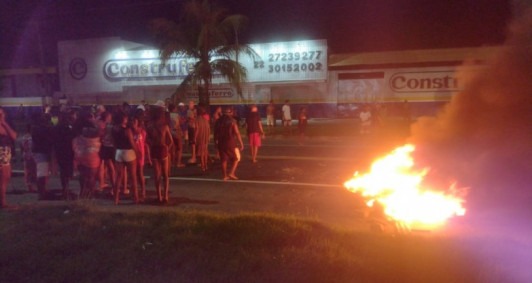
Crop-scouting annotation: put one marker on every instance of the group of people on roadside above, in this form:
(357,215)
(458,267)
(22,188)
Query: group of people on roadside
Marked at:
(286,118)
(111,147)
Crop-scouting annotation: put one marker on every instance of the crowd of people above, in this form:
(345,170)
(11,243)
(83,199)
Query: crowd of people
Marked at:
(110,148)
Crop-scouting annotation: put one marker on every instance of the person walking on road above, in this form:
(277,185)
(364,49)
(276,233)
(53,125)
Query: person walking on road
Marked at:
(225,135)
(255,132)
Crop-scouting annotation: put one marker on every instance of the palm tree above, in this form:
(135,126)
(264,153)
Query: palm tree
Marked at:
(204,34)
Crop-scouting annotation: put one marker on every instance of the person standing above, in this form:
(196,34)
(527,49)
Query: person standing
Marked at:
(182,111)
(125,156)
(159,139)
(226,134)
(302,120)
(107,151)
(42,150)
(139,135)
(254,131)
(63,136)
(287,116)
(270,116)
(7,139)
(86,148)
(176,151)
(203,135)
(192,115)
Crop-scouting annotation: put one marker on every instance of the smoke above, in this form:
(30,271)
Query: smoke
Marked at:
(483,137)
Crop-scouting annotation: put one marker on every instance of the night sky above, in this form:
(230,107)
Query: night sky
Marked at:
(348,25)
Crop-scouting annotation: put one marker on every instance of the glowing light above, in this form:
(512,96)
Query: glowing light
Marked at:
(121,55)
(148,54)
(396,185)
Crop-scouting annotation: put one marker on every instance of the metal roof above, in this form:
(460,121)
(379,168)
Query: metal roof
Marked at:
(453,56)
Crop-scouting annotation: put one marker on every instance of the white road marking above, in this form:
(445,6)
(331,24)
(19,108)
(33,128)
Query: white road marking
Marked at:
(256,182)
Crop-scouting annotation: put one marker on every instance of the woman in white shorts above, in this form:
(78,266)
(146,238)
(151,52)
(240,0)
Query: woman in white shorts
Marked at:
(125,156)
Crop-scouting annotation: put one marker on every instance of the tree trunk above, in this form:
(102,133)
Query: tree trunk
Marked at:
(204,98)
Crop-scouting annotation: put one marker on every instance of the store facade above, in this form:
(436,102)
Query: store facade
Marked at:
(111,71)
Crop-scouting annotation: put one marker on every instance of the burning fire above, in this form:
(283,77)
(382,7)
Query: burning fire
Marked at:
(396,185)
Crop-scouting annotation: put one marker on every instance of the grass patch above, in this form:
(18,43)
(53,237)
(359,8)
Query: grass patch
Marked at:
(81,244)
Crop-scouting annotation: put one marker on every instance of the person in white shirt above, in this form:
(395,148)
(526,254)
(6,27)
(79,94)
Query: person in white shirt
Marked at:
(287,117)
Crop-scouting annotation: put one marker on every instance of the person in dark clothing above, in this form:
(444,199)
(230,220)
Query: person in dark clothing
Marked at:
(42,149)
(225,135)
(63,136)
(125,156)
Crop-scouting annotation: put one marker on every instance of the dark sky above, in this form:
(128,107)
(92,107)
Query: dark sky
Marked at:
(348,25)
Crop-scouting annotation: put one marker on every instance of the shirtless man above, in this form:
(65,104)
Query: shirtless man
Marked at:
(226,134)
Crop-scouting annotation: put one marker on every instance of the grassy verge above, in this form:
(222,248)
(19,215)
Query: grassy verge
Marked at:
(81,244)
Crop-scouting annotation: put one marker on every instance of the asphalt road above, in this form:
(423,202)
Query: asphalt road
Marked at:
(289,178)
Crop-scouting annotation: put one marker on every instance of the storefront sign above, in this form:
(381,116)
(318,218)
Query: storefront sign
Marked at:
(424,82)
(109,64)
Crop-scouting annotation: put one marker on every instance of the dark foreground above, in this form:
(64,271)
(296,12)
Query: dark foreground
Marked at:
(287,219)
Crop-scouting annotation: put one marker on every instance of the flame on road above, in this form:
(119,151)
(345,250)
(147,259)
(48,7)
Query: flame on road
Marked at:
(397,187)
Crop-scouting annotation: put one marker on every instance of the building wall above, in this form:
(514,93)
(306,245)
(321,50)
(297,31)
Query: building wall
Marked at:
(111,71)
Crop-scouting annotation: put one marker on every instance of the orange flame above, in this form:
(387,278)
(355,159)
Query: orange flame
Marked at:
(396,185)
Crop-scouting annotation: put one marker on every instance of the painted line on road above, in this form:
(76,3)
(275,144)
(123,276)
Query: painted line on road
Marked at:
(306,158)
(242,181)
(255,182)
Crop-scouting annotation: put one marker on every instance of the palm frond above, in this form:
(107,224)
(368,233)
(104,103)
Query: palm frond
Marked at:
(205,33)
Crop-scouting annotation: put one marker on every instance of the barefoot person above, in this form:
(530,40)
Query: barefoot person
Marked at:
(7,137)
(225,133)
(159,139)
(202,137)
(125,156)
(192,115)
(139,135)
